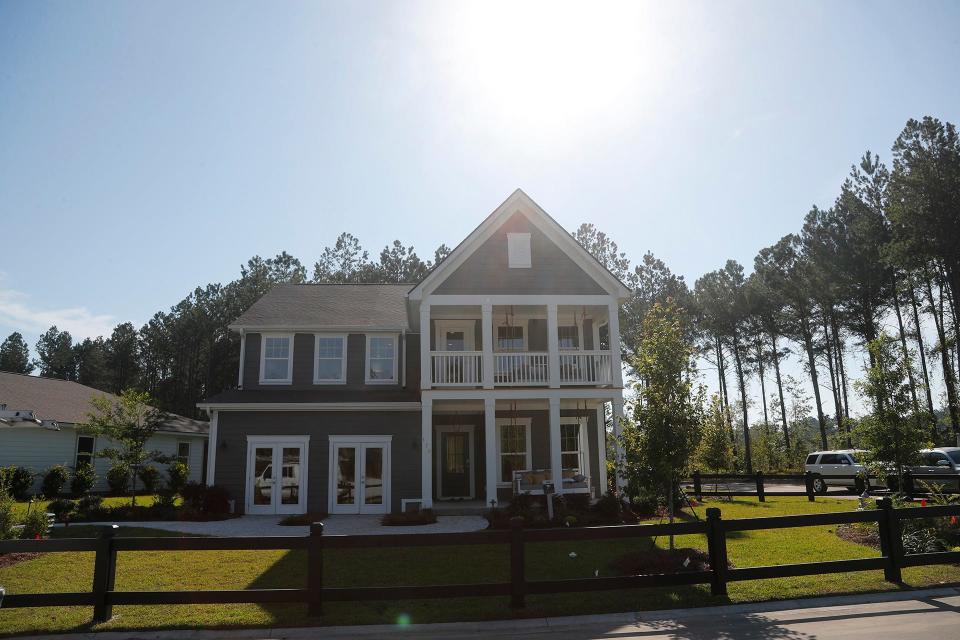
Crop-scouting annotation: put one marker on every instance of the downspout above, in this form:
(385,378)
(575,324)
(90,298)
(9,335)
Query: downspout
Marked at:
(403,358)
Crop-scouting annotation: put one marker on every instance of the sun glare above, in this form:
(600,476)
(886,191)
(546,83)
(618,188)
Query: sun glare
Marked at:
(549,67)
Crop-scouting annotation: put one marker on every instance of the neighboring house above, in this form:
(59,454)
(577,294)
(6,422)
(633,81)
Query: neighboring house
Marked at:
(488,377)
(38,419)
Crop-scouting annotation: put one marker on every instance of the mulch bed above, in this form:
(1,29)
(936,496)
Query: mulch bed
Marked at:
(859,533)
(662,561)
(10,559)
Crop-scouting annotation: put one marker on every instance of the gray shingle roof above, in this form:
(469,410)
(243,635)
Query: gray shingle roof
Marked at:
(328,305)
(69,402)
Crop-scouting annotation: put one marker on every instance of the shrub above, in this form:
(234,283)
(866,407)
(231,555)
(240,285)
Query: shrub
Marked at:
(84,477)
(177,475)
(410,518)
(192,493)
(35,524)
(213,500)
(150,477)
(118,479)
(54,481)
(7,519)
(89,503)
(61,508)
(165,500)
(18,481)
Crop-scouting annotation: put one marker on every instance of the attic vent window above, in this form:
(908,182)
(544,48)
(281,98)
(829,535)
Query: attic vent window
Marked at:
(518,250)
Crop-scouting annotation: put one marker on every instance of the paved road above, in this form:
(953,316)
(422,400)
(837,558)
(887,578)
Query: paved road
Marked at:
(833,492)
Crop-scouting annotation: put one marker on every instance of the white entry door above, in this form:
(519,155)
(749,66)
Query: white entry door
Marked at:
(276,475)
(359,476)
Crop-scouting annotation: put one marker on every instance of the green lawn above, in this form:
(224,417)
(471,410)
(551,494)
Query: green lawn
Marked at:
(483,563)
(20,508)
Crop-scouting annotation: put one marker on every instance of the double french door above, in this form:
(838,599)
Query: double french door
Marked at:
(360,476)
(276,475)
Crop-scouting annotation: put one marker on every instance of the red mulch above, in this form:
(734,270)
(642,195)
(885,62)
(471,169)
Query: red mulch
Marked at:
(661,561)
(9,559)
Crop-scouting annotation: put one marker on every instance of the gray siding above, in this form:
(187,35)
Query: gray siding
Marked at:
(487,270)
(408,347)
(234,427)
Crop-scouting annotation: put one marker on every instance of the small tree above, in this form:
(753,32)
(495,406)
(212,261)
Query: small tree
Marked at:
(84,477)
(660,442)
(54,480)
(893,434)
(715,452)
(130,422)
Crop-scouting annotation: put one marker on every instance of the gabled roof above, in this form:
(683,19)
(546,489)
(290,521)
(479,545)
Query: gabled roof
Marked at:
(522,203)
(69,402)
(327,306)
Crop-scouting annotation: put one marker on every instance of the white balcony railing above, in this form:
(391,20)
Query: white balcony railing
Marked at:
(457,368)
(586,367)
(527,368)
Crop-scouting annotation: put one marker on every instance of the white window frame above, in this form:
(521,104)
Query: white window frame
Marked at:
(277,442)
(76,450)
(583,443)
(263,358)
(343,358)
(359,442)
(526,423)
(467,326)
(523,332)
(396,358)
(519,251)
(579,331)
(185,461)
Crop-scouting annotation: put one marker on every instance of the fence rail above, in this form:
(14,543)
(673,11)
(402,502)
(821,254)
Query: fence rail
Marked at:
(103,596)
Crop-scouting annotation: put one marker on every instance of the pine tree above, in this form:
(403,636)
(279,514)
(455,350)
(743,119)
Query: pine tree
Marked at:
(15,354)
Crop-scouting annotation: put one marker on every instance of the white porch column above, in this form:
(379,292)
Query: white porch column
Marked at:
(426,363)
(490,445)
(486,330)
(617,430)
(602,447)
(614,331)
(426,453)
(556,460)
(553,346)
(212,443)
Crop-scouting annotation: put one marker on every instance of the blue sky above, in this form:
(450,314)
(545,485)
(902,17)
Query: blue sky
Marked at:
(146,148)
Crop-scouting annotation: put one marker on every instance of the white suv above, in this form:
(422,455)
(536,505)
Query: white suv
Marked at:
(842,462)
(942,460)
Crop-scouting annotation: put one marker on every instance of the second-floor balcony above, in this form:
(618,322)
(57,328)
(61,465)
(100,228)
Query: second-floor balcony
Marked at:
(515,351)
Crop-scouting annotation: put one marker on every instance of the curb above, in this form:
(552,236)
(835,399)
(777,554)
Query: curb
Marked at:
(484,628)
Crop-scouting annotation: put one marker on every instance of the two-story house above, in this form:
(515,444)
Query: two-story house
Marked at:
(488,377)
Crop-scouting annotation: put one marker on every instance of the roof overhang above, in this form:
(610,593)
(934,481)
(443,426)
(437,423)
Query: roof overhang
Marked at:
(309,406)
(314,328)
(520,202)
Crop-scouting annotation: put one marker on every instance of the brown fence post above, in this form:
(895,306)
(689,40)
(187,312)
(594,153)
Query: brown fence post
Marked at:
(315,570)
(808,481)
(907,487)
(717,551)
(891,542)
(518,584)
(760,496)
(697,485)
(104,574)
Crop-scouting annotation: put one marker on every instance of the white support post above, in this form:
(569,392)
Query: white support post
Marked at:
(614,330)
(490,446)
(426,362)
(243,356)
(553,346)
(602,447)
(486,330)
(212,447)
(556,460)
(426,453)
(617,430)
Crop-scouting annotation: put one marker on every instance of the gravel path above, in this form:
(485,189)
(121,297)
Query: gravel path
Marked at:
(332,525)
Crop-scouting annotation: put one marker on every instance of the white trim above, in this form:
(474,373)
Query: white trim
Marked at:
(455,428)
(532,393)
(468,326)
(76,448)
(243,357)
(519,251)
(212,444)
(277,444)
(526,422)
(396,358)
(343,358)
(426,450)
(528,300)
(263,358)
(360,443)
(311,406)
(405,501)
(584,444)
(520,202)
(602,446)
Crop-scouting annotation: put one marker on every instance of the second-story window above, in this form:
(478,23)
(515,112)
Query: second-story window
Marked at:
(568,337)
(330,366)
(276,363)
(381,359)
(510,338)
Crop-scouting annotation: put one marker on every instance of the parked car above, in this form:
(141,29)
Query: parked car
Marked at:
(841,462)
(941,460)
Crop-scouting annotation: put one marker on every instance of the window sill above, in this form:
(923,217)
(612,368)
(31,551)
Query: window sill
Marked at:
(276,382)
(323,383)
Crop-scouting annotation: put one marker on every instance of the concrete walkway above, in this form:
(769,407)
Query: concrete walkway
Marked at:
(903,615)
(332,525)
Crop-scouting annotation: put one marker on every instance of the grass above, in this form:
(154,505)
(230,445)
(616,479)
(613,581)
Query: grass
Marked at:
(20,508)
(409,566)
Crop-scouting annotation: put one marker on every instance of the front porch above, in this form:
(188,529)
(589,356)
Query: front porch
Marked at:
(479,452)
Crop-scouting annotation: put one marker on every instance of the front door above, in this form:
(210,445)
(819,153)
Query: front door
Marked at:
(454,462)
(360,477)
(276,477)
